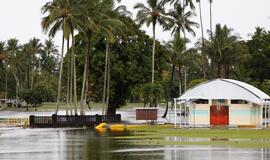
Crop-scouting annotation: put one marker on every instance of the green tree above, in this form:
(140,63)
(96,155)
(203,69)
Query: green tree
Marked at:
(13,48)
(258,63)
(224,49)
(153,13)
(48,60)
(181,21)
(63,15)
(34,50)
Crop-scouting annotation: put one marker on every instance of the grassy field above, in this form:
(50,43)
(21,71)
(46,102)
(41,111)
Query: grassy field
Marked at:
(240,138)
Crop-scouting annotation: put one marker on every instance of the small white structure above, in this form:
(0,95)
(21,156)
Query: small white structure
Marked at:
(222,102)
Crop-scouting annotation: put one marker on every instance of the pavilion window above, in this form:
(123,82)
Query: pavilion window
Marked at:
(202,101)
(238,101)
(219,102)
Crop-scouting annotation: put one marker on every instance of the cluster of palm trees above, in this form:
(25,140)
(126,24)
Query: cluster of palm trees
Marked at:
(27,64)
(178,20)
(89,18)
(102,17)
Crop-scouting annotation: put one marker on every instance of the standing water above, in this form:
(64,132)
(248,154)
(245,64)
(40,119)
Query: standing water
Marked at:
(86,144)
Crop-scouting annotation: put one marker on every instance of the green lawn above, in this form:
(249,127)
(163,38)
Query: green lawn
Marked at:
(241,138)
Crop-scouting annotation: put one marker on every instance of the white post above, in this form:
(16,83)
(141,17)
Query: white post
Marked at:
(169,110)
(261,114)
(268,118)
(258,115)
(265,125)
(180,115)
(175,113)
(193,114)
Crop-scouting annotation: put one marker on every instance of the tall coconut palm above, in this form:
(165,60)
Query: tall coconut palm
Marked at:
(180,23)
(35,48)
(49,50)
(183,59)
(153,14)
(62,15)
(96,15)
(113,25)
(178,48)
(12,50)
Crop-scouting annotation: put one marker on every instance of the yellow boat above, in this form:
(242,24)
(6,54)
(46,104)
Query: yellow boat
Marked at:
(115,127)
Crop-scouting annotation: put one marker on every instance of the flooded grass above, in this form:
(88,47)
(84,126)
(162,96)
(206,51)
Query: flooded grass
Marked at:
(167,135)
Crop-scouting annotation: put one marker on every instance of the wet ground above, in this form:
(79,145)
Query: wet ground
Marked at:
(87,144)
(75,144)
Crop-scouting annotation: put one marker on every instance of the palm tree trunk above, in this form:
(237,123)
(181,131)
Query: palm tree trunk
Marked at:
(219,70)
(85,73)
(83,83)
(202,50)
(201,21)
(88,68)
(153,54)
(172,74)
(6,84)
(17,88)
(68,78)
(180,82)
(166,110)
(108,82)
(60,76)
(74,74)
(32,75)
(211,29)
(71,100)
(105,78)
(185,72)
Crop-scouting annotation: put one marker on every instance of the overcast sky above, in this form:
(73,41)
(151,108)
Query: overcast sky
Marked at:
(21,18)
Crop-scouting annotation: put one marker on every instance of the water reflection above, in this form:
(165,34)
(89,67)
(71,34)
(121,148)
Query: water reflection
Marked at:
(76,144)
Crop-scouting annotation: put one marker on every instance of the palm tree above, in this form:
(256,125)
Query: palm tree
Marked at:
(183,59)
(112,25)
(181,21)
(95,17)
(63,15)
(12,50)
(35,49)
(177,48)
(49,50)
(221,48)
(153,13)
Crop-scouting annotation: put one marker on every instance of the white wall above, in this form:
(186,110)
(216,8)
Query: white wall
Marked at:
(202,114)
(239,114)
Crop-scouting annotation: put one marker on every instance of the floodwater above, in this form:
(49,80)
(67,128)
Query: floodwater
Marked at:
(87,144)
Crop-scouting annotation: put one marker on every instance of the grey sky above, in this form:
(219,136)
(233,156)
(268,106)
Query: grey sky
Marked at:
(21,18)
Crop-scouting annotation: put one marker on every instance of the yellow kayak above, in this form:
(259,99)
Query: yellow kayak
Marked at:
(115,127)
